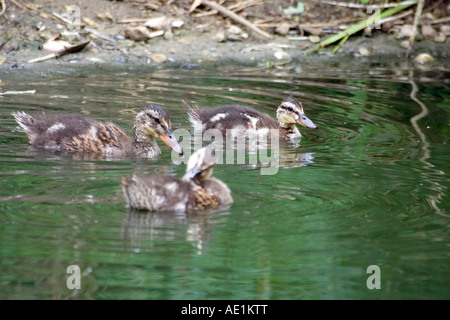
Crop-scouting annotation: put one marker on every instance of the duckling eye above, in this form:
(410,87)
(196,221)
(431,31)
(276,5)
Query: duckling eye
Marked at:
(290,109)
(154,118)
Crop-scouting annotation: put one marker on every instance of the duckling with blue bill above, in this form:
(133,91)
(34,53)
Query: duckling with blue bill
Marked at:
(195,191)
(75,133)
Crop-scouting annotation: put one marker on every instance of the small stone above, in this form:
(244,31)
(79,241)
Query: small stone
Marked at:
(423,58)
(55,45)
(428,31)
(406,31)
(314,39)
(219,36)
(157,23)
(159,58)
(281,55)
(440,38)
(139,33)
(234,30)
(312,31)
(404,44)
(283,28)
(363,52)
(177,23)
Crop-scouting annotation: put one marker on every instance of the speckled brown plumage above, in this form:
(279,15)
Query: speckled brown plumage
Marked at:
(240,120)
(195,191)
(75,133)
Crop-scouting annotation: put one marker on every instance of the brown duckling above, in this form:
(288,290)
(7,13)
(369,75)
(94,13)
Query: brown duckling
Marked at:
(75,133)
(243,120)
(195,191)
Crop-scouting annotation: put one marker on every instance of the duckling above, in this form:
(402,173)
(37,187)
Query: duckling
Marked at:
(75,133)
(195,191)
(243,120)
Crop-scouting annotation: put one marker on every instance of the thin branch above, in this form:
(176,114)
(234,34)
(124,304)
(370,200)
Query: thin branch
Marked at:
(236,18)
(416,22)
(360,26)
(362,6)
(2,3)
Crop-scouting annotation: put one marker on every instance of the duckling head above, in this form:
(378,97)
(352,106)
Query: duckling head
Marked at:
(153,121)
(290,112)
(201,164)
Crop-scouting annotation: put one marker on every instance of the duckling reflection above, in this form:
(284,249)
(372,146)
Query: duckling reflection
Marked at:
(265,156)
(138,228)
(195,191)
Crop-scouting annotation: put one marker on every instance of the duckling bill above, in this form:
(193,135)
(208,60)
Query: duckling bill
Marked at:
(75,133)
(195,191)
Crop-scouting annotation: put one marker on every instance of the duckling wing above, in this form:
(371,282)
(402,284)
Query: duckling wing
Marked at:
(218,190)
(157,193)
(99,138)
(234,116)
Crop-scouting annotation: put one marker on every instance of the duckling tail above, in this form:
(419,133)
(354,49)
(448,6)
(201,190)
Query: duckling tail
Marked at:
(193,112)
(25,121)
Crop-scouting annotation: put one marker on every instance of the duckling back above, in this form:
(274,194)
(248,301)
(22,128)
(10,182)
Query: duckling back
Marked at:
(231,117)
(73,133)
(168,193)
(157,193)
(217,190)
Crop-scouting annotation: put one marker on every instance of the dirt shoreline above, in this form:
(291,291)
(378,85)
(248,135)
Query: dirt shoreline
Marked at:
(26,31)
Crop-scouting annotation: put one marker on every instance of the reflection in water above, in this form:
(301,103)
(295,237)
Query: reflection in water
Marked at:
(364,189)
(140,227)
(433,200)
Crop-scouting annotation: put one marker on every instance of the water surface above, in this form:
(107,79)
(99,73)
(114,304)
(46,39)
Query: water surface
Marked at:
(370,187)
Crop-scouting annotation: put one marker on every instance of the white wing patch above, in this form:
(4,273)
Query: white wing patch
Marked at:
(94,132)
(253,120)
(57,126)
(218,117)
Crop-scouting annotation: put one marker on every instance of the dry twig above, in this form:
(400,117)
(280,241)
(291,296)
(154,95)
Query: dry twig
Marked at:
(3,5)
(235,17)
(416,22)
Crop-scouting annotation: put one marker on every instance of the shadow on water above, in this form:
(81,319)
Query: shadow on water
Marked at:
(369,187)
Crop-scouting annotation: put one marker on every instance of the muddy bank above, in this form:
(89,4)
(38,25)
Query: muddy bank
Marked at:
(157,33)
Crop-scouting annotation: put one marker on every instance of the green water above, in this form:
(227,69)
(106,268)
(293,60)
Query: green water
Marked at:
(369,187)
